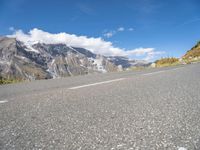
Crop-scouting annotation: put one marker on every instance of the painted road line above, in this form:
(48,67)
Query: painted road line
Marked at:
(146,74)
(4,101)
(151,73)
(97,83)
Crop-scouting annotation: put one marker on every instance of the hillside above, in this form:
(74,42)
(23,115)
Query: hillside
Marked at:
(166,62)
(43,61)
(190,56)
(22,61)
(193,53)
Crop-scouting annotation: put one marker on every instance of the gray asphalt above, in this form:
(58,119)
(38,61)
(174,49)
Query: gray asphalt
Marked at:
(147,110)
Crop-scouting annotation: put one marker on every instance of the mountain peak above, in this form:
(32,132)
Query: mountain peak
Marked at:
(37,60)
(194,52)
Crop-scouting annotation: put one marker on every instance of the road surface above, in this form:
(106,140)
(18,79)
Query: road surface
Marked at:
(147,110)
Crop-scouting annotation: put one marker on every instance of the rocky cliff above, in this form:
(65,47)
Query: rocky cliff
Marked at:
(43,61)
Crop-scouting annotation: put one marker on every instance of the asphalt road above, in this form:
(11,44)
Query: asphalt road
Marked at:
(147,110)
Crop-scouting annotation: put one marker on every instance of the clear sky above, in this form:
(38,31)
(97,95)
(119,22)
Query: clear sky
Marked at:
(172,26)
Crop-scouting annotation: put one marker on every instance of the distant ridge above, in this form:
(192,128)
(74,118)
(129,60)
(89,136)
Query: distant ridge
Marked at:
(193,53)
(20,60)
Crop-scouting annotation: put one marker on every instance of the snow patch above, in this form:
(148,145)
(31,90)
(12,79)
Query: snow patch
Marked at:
(182,148)
(52,73)
(29,48)
(99,65)
(52,61)
(4,62)
(22,57)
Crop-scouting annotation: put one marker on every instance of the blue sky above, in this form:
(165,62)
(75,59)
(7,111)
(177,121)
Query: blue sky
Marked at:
(171,26)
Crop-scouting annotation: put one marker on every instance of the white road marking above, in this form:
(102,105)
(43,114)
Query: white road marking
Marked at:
(146,74)
(97,83)
(4,101)
(182,148)
(156,72)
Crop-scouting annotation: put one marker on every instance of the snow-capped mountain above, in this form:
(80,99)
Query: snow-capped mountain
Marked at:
(124,62)
(43,61)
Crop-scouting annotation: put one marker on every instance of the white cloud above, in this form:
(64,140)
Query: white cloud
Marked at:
(108,34)
(85,8)
(11,28)
(130,29)
(120,29)
(153,55)
(190,21)
(95,45)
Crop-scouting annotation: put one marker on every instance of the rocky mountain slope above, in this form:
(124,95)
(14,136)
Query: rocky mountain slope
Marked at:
(43,61)
(193,53)
(191,56)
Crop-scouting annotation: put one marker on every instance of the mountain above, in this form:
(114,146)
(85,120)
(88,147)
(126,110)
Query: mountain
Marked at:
(193,53)
(44,61)
(191,56)
(124,62)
